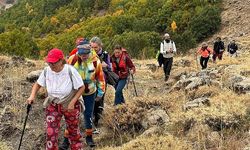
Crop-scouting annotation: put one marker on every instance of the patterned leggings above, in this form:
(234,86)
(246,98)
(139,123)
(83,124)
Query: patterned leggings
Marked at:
(54,113)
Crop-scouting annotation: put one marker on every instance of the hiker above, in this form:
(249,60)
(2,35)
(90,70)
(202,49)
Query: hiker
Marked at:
(167,49)
(64,86)
(218,49)
(232,48)
(205,52)
(96,44)
(122,65)
(89,67)
(79,41)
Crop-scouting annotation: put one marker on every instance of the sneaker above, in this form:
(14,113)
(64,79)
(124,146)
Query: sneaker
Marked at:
(96,131)
(90,141)
(65,144)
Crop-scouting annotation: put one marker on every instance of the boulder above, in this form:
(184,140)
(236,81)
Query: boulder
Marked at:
(155,117)
(196,103)
(242,87)
(33,76)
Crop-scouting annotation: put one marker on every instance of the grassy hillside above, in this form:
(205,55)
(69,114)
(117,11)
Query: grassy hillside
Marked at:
(137,25)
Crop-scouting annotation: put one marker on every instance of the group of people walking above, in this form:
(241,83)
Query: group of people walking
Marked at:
(216,52)
(168,48)
(77,85)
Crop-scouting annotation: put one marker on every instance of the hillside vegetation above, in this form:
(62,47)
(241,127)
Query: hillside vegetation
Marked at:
(31,28)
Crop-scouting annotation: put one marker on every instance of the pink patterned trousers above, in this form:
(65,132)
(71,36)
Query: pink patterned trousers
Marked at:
(54,113)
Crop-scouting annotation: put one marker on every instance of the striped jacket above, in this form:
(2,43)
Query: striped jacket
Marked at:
(91,73)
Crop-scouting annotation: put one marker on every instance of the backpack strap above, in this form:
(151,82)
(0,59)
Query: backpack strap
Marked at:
(44,73)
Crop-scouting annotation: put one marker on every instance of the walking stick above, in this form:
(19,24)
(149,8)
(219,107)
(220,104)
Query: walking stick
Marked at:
(134,84)
(26,118)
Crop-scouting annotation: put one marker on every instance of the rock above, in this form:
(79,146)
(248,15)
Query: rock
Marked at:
(155,117)
(245,73)
(178,73)
(183,63)
(242,87)
(216,83)
(33,76)
(234,79)
(196,103)
(151,131)
(214,74)
(193,83)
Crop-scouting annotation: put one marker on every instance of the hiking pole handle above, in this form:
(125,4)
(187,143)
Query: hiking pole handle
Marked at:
(29,108)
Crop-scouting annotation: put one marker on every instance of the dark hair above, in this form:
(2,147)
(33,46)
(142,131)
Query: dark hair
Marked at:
(63,61)
(118,47)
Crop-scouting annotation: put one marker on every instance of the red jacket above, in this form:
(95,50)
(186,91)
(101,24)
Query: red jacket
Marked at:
(205,53)
(122,68)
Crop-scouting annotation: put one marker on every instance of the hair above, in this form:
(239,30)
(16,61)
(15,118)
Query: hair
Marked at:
(64,61)
(96,40)
(118,47)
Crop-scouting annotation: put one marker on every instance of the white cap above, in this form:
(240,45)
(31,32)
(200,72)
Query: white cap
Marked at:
(166,35)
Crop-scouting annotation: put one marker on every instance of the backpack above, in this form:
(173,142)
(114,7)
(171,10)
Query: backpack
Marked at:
(111,77)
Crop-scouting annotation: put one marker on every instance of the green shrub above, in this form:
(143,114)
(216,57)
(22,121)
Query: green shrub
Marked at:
(19,43)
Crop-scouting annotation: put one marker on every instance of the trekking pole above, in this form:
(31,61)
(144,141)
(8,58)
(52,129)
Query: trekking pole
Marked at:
(134,84)
(26,118)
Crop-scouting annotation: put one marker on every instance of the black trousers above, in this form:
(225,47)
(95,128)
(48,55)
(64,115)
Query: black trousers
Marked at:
(98,108)
(167,65)
(203,62)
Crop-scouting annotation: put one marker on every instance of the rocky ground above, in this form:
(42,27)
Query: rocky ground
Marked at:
(195,109)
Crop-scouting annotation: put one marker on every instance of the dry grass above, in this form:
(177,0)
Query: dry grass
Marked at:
(4,146)
(166,142)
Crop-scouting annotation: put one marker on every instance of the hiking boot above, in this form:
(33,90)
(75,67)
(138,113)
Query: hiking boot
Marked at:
(166,79)
(90,141)
(96,131)
(65,144)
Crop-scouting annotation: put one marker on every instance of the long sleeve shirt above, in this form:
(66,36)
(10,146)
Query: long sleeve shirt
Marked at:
(167,49)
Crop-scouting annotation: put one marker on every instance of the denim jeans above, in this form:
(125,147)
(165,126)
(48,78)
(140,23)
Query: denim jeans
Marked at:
(119,99)
(89,101)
